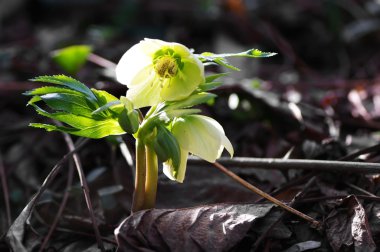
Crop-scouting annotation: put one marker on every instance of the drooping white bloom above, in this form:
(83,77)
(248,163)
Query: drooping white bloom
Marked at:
(201,136)
(156,71)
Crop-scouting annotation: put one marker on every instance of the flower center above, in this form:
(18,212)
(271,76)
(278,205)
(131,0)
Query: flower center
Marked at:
(166,67)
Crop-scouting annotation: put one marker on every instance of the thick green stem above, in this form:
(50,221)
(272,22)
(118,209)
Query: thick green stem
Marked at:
(151,178)
(138,195)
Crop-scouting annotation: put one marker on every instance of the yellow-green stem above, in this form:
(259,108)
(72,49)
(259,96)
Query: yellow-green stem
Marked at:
(151,178)
(138,195)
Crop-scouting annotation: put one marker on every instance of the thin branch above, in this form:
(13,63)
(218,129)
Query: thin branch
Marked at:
(85,190)
(25,214)
(61,208)
(100,61)
(292,203)
(359,189)
(256,190)
(5,191)
(356,154)
(298,164)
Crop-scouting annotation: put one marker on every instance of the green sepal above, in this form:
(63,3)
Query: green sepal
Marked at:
(166,146)
(192,100)
(129,121)
(209,86)
(168,115)
(213,77)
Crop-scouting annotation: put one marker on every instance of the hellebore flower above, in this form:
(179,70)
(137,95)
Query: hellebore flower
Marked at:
(156,71)
(199,135)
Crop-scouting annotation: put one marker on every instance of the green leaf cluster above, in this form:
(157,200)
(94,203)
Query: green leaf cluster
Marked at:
(83,111)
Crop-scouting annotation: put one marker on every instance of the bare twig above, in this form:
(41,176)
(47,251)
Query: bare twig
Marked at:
(61,208)
(356,154)
(359,189)
(100,61)
(292,203)
(25,214)
(5,191)
(317,199)
(86,190)
(265,195)
(289,184)
(299,164)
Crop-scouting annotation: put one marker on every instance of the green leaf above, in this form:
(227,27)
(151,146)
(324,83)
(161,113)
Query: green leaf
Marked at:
(107,106)
(34,99)
(69,83)
(70,103)
(220,59)
(72,58)
(103,97)
(70,119)
(102,129)
(107,103)
(251,53)
(50,89)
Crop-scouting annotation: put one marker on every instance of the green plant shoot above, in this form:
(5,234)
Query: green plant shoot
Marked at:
(170,80)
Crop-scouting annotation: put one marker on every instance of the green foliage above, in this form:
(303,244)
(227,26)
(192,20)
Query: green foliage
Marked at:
(220,59)
(85,112)
(72,58)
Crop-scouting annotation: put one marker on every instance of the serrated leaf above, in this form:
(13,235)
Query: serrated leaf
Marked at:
(51,89)
(103,97)
(102,129)
(33,100)
(109,105)
(72,58)
(67,82)
(70,119)
(70,103)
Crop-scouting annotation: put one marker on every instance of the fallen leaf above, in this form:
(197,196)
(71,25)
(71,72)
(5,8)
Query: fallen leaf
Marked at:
(347,227)
(207,228)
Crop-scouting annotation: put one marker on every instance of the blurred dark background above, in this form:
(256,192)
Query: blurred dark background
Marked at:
(327,67)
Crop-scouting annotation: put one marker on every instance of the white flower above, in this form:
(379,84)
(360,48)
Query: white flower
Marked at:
(156,71)
(201,136)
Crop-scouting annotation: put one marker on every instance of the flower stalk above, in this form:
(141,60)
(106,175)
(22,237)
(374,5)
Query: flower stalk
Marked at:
(139,193)
(151,180)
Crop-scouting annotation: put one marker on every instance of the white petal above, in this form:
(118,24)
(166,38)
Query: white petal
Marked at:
(202,136)
(132,62)
(145,94)
(169,171)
